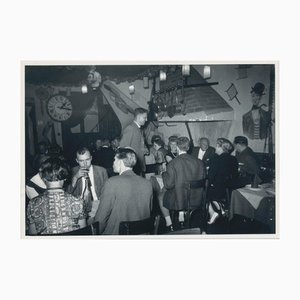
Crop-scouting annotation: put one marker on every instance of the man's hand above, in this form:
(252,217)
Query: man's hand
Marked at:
(80,173)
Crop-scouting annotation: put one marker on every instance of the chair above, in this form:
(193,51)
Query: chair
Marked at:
(192,185)
(145,226)
(92,229)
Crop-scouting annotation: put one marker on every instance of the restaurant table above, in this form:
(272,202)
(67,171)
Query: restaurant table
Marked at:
(254,203)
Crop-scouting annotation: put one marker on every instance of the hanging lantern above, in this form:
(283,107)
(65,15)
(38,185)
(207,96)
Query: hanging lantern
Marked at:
(131,89)
(146,82)
(186,70)
(206,72)
(162,75)
(84,89)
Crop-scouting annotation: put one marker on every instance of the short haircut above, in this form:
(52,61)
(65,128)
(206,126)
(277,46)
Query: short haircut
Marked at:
(183,143)
(159,142)
(54,169)
(155,138)
(82,150)
(140,111)
(128,156)
(106,142)
(204,139)
(241,140)
(173,139)
(225,144)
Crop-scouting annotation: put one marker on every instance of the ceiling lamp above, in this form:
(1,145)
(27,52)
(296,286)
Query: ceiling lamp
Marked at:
(162,75)
(186,70)
(206,72)
(84,89)
(131,89)
(146,82)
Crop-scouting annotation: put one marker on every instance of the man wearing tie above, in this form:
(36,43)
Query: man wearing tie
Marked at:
(87,181)
(133,137)
(205,152)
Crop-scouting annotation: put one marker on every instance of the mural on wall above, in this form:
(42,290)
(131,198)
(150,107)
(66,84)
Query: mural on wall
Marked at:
(257,120)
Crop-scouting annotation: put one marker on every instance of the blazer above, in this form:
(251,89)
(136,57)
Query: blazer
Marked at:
(181,169)
(100,176)
(208,155)
(248,124)
(222,174)
(133,137)
(127,197)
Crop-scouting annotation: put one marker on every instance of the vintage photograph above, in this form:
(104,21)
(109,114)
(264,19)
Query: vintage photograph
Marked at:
(149,149)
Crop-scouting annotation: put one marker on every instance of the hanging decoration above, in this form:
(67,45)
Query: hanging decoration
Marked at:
(206,72)
(146,82)
(84,89)
(186,70)
(162,75)
(131,89)
(232,93)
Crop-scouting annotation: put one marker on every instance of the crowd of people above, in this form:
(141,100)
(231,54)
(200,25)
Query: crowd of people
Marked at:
(124,179)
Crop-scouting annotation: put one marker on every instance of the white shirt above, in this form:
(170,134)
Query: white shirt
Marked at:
(201,154)
(91,175)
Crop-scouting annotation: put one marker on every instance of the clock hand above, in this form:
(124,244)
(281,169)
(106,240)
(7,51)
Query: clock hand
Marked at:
(65,108)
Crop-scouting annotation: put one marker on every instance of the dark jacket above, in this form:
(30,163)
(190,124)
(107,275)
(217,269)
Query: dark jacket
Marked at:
(222,173)
(126,197)
(181,169)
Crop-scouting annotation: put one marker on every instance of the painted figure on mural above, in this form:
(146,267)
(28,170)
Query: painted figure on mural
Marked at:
(257,120)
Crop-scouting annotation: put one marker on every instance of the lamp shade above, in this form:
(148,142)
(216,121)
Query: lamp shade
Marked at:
(186,70)
(146,82)
(162,75)
(206,72)
(84,89)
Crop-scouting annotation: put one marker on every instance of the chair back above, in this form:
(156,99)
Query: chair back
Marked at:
(192,185)
(145,226)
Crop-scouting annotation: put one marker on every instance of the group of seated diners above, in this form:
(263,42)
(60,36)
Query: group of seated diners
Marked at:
(63,199)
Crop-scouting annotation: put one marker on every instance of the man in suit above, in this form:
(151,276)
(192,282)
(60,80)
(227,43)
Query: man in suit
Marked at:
(127,197)
(181,169)
(257,120)
(87,181)
(205,152)
(133,137)
(249,165)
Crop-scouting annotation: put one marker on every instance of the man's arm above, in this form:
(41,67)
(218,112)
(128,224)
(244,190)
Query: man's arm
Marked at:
(105,206)
(169,177)
(127,136)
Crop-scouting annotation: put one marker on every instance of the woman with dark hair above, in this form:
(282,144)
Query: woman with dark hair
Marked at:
(55,211)
(223,171)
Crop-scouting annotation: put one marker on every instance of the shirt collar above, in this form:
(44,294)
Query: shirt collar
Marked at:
(138,125)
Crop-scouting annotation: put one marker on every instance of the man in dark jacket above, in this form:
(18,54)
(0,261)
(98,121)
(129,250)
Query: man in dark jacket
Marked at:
(205,152)
(179,171)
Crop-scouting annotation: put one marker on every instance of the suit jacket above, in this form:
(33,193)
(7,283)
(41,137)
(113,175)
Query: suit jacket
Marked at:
(248,124)
(208,155)
(133,137)
(127,197)
(181,169)
(222,173)
(100,176)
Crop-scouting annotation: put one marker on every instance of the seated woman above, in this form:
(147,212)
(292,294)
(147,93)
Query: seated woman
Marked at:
(223,171)
(55,211)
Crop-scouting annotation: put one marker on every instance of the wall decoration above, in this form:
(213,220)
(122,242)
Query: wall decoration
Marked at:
(59,108)
(232,93)
(242,71)
(43,95)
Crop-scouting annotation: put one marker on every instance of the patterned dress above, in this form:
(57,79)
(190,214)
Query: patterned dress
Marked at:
(55,211)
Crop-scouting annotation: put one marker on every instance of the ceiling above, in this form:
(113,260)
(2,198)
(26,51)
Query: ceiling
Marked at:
(76,75)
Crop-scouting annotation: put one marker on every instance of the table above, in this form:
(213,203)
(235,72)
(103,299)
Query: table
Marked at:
(256,204)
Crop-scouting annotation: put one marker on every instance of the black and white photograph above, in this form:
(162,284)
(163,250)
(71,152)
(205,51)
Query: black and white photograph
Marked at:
(146,149)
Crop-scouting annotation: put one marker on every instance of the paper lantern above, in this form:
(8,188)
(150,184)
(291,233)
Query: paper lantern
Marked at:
(84,89)
(206,72)
(162,75)
(131,89)
(186,70)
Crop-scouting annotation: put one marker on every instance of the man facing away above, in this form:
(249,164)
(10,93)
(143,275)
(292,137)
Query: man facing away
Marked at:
(87,181)
(179,171)
(133,137)
(127,197)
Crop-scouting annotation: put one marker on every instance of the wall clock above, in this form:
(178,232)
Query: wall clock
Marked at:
(59,108)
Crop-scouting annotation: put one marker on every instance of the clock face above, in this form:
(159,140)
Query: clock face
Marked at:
(59,108)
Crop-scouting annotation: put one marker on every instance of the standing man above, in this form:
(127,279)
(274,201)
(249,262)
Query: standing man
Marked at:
(257,120)
(127,197)
(205,152)
(87,181)
(133,137)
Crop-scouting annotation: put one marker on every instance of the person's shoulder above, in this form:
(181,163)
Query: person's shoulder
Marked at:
(99,169)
